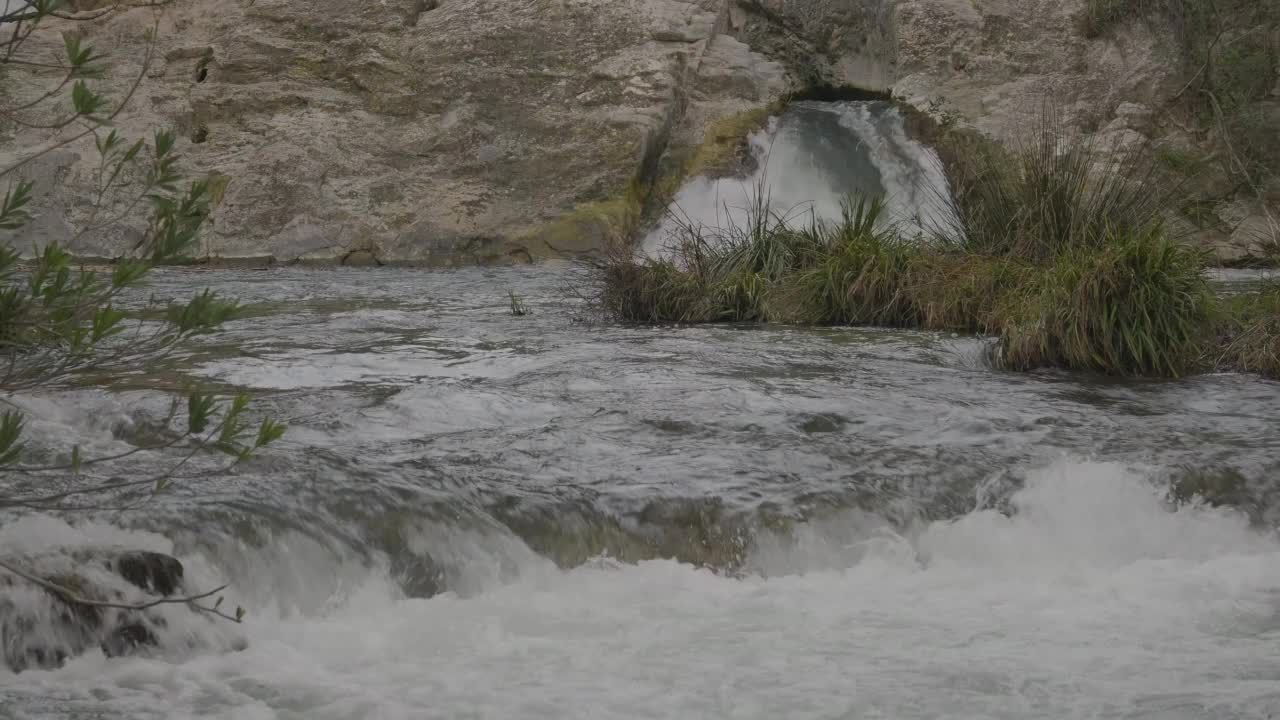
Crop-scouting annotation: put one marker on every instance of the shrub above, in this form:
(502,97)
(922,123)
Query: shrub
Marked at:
(1230,64)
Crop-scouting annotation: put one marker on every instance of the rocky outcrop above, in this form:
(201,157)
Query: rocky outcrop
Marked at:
(443,132)
(405,131)
(994,62)
(991,65)
(824,43)
(40,629)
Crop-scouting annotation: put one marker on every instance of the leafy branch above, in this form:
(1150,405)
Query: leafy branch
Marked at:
(59,323)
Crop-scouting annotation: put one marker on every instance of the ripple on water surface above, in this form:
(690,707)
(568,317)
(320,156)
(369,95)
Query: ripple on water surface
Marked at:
(480,515)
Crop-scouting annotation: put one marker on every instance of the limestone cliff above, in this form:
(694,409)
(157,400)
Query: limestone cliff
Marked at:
(991,65)
(459,131)
(406,130)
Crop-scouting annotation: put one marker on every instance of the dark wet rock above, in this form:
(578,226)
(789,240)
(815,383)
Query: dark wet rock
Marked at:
(42,629)
(418,579)
(128,638)
(153,572)
(1218,487)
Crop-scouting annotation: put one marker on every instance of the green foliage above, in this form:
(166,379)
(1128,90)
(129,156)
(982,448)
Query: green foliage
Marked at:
(58,322)
(652,291)
(1136,305)
(1248,332)
(962,292)
(1062,259)
(13,212)
(860,281)
(10,433)
(1047,194)
(767,270)
(742,296)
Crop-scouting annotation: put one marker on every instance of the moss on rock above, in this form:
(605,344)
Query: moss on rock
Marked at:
(725,143)
(590,227)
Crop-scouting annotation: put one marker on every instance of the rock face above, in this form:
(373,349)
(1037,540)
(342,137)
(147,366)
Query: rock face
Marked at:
(408,131)
(442,132)
(993,62)
(40,630)
(829,43)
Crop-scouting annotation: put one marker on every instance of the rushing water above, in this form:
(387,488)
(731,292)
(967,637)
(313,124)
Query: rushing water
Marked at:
(806,164)
(477,515)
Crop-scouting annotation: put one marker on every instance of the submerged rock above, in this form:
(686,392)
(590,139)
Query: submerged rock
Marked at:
(40,629)
(153,572)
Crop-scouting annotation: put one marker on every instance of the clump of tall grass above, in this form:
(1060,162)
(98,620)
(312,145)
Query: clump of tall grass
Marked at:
(962,292)
(1096,281)
(858,270)
(858,280)
(1050,191)
(1135,305)
(740,272)
(653,291)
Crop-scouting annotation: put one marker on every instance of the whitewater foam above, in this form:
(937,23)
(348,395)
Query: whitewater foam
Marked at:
(1093,600)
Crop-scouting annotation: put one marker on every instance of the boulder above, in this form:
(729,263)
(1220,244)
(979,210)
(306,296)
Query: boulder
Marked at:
(153,572)
(40,629)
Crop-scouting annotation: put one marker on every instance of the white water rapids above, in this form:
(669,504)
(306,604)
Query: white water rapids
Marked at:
(1093,601)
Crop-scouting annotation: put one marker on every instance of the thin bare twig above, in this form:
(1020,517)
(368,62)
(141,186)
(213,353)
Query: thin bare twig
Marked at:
(133,89)
(70,596)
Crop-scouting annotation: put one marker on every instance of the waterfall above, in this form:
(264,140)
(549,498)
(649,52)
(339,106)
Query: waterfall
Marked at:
(808,161)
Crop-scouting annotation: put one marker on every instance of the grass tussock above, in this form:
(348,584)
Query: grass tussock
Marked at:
(1063,261)
(963,292)
(1248,332)
(1047,194)
(1136,305)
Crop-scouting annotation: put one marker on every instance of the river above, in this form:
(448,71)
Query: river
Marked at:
(479,515)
